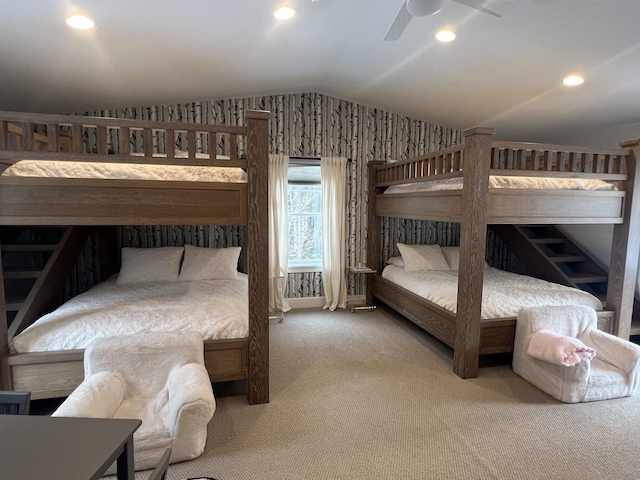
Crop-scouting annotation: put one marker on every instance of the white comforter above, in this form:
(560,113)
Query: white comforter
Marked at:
(503,293)
(215,308)
(498,181)
(126,171)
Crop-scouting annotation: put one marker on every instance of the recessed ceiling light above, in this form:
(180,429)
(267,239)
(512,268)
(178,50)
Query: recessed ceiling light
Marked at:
(573,80)
(80,22)
(284,12)
(445,35)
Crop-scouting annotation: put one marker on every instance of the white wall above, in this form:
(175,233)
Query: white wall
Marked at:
(607,137)
(596,240)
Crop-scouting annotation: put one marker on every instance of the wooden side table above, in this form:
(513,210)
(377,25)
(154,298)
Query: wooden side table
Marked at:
(364,270)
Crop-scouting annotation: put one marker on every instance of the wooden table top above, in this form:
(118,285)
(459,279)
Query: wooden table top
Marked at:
(58,448)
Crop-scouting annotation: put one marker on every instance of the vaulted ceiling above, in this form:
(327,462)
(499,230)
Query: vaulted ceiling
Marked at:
(502,72)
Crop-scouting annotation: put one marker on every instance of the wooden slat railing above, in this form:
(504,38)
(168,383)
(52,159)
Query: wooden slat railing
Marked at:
(103,139)
(529,159)
(514,159)
(438,165)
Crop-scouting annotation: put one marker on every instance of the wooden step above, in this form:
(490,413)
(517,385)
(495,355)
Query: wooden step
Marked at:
(547,240)
(588,278)
(20,247)
(566,258)
(14,304)
(635,326)
(48,284)
(13,274)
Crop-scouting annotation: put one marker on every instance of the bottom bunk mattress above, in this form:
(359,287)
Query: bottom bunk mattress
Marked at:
(218,309)
(503,293)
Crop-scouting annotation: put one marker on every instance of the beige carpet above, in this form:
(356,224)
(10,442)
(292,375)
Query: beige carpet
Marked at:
(370,396)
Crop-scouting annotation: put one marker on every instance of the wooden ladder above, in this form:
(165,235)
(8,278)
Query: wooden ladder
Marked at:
(36,262)
(547,253)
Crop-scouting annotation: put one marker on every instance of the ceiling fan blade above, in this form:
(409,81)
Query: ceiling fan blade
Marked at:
(424,8)
(497,8)
(399,24)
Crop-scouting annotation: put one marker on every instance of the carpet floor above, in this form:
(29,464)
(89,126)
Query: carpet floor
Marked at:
(368,395)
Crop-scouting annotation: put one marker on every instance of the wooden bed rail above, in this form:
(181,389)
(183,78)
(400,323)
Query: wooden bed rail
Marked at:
(442,164)
(531,159)
(117,140)
(512,158)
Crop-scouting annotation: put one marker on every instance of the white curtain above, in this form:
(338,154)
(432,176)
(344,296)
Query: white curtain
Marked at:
(334,178)
(278,232)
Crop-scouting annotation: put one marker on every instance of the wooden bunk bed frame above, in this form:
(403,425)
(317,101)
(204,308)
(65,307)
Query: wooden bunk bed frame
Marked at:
(476,206)
(98,202)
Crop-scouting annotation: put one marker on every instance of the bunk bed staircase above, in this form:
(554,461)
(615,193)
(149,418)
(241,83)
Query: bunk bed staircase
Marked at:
(36,262)
(547,253)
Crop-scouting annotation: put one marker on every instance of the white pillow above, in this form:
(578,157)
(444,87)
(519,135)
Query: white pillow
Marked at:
(422,257)
(140,265)
(452,255)
(397,261)
(201,263)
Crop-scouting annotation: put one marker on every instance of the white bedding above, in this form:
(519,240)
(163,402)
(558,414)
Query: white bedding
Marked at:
(503,294)
(215,308)
(127,171)
(499,181)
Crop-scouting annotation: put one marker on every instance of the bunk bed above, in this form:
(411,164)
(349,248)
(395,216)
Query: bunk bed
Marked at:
(108,202)
(476,203)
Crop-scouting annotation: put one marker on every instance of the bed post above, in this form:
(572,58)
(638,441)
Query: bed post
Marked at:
(623,266)
(5,383)
(473,238)
(257,257)
(373,231)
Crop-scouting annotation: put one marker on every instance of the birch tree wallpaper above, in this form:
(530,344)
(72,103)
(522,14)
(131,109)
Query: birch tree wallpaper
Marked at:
(313,125)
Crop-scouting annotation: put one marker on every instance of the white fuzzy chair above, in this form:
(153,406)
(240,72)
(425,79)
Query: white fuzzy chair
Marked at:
(614,371)
(159,378)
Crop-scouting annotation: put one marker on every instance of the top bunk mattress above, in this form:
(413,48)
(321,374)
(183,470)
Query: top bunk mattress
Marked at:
(125,171)
(503,293)
(216,308)
(506,181)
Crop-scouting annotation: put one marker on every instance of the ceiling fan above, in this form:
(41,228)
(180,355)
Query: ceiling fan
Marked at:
(423,8)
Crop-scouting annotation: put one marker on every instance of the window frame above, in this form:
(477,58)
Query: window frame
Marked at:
(314,265)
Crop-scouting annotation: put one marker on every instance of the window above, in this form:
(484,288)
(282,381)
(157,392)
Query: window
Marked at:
(305,216)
